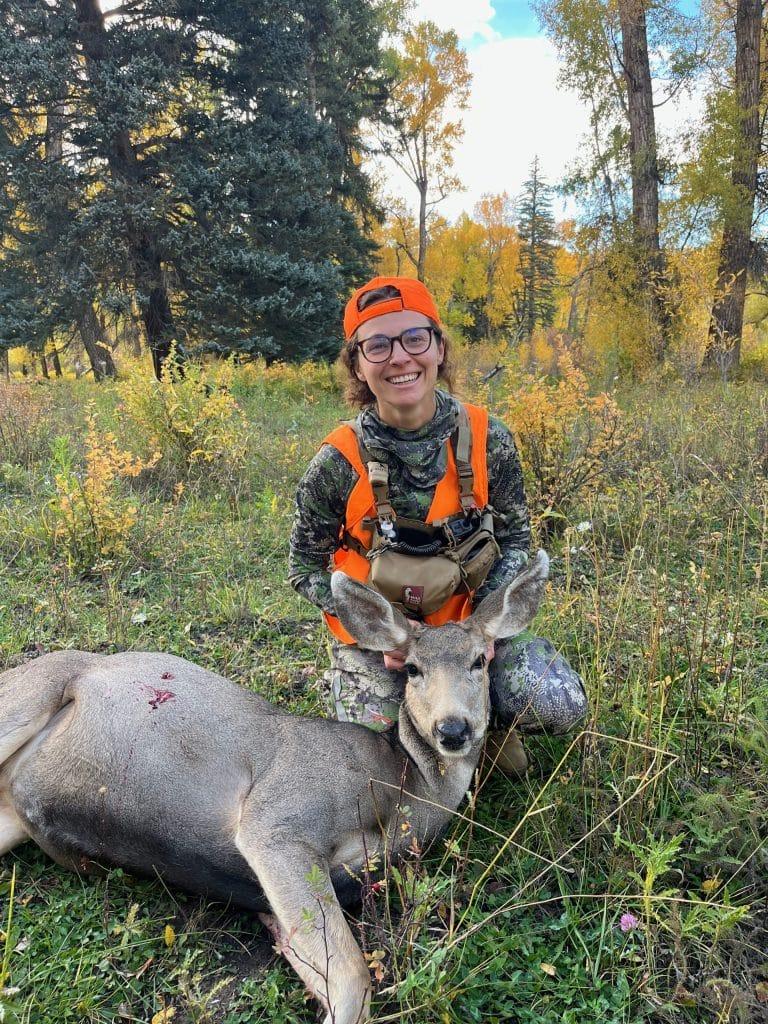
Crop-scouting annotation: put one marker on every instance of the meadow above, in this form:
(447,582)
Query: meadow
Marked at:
(624,880)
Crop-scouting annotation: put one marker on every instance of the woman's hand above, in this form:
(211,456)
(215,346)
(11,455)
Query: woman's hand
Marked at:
(394,660)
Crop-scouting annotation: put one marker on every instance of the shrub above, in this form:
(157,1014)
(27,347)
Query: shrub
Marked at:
(24,424)
(300,382)
(188,426)
(91,518)
(568,440)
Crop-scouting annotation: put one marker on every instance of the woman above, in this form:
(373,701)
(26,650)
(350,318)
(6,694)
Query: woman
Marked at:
(416,456)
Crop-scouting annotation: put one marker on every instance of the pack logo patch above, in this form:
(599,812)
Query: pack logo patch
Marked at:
(413,597)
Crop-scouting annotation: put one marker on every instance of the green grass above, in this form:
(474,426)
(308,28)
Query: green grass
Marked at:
(660,810)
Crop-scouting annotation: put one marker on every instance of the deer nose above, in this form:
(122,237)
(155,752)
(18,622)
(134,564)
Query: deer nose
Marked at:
(453,733)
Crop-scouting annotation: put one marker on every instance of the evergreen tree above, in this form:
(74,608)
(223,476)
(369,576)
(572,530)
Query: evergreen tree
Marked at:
(534,304)
(209,168)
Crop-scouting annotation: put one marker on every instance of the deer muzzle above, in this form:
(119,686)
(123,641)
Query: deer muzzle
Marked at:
(453,734)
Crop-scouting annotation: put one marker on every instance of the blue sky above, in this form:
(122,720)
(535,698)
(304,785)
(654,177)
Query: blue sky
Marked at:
(514,18)
(518,109)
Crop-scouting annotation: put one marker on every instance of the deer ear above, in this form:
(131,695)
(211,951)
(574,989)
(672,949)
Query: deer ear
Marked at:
(508,610)
(368,616)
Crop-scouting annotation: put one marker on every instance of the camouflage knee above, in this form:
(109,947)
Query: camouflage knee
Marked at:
(362,690)
(534,688)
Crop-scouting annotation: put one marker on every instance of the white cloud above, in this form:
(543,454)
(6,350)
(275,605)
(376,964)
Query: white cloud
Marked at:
(517,110)
(467,18)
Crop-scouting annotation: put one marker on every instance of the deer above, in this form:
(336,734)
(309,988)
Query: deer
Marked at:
(148,762)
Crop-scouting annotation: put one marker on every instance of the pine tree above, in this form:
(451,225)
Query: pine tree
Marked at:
(535,303)
(205,174)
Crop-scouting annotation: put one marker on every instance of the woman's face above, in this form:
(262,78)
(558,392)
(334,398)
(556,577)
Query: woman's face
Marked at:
(404,385)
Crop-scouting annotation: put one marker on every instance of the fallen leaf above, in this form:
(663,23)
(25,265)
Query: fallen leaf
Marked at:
(169,935)
(548,969)
(164,1016)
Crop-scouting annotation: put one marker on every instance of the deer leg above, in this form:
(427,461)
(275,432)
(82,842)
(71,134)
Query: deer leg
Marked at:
(12,832)
(305,971)
(310,926)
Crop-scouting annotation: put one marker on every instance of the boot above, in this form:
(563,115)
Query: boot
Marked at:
(505,749)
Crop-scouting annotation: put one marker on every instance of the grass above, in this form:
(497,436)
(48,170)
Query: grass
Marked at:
(660,810)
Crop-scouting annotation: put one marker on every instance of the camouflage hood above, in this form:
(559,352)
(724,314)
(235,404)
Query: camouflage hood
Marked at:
(421,453)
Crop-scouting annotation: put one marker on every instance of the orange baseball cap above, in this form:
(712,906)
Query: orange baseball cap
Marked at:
(412,294)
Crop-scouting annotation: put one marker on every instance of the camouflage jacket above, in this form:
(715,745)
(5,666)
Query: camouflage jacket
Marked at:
(416,460)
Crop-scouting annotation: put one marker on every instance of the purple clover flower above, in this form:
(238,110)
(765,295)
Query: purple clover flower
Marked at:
(628,922)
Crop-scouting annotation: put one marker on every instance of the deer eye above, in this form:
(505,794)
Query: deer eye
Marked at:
(410,670)
(479,663)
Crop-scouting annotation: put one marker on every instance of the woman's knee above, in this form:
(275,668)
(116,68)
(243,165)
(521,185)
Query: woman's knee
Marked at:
(535,689)
(362,690)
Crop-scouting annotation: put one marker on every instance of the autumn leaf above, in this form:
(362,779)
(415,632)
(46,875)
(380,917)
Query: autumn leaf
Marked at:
(548,969)
(164,1016)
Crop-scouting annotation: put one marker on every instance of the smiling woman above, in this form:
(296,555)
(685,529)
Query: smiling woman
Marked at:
(421,496)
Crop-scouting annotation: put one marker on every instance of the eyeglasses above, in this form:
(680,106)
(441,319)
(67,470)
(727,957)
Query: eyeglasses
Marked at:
(378,348)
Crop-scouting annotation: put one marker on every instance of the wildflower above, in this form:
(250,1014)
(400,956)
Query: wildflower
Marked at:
(583,527)
(628,922)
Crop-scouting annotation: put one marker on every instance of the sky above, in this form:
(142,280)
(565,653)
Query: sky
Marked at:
(517,110)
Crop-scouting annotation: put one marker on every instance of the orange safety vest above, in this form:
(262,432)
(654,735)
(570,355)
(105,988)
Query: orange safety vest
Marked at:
(362,505)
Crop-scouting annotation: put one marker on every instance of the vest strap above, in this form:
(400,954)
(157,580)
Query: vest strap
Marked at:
(378,477)
(462,447)
(378,472)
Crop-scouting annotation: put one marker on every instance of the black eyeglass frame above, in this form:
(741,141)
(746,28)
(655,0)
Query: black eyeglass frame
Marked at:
(434,334)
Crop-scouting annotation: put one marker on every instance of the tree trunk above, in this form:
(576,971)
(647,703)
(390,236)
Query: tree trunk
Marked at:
(727,320)
(5,363)
(421,263)
(95,343)
(572,327)
(44,366)
(135,337)
(645,169)
(123,163)
(56,361)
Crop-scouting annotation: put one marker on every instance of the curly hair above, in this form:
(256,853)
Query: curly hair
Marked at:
(357,391)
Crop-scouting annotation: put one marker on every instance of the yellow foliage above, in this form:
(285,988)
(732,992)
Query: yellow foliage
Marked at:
(90,518)
(193,421)
(433,81)
(299,382)
(568,440)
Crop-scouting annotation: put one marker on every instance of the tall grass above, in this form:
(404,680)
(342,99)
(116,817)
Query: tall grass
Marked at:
(623,880)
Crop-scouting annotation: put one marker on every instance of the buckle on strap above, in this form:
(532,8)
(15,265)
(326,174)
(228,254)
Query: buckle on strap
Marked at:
(378,477)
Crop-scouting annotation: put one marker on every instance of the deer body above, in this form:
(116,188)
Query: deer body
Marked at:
(152,763)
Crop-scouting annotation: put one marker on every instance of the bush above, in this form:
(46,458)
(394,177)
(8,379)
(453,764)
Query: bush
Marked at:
(568,440)
(299,382)
(25,424)
(187,426)
(90,518)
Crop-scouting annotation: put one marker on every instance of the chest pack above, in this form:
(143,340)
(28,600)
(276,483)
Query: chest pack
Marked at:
(419,566)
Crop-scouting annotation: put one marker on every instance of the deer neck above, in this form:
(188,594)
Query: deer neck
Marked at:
(440,782)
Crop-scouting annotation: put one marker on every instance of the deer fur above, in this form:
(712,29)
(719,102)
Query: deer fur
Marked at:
(154,764)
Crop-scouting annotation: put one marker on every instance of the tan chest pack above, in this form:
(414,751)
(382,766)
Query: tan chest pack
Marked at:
(419,566)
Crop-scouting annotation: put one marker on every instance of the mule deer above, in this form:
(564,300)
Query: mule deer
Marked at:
(152,763)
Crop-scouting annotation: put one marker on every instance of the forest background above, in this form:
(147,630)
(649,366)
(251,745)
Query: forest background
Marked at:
(188,190)
(178,173)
